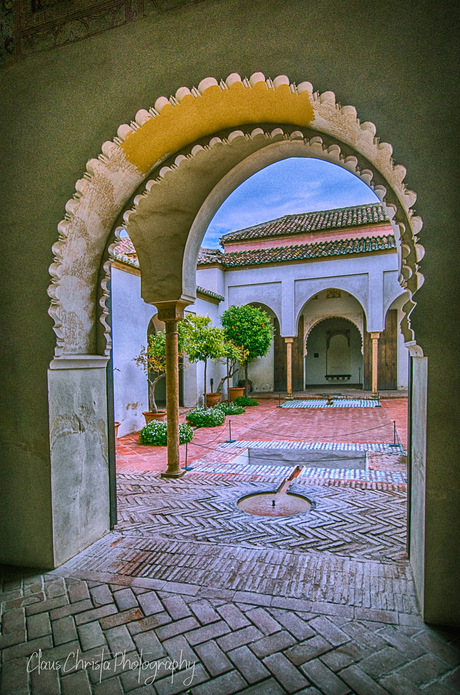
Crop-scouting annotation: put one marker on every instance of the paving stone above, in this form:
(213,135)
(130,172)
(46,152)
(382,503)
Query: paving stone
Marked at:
(38,625)
(95,614)
(341,657)
(329,631)
(295,625)
(176,607)
(360,683)
(27,648)
(12,638)
(119,639)
(45,682)
(203,634)
(125,599)
(382,662)
(150,603)
(332,609)
(213,658)
(150,645)
(325,679)
(73,609)
(433,643)
(111,686)
(204,612)
(179,649)
(91,635)
(177,628)
(239,637)
(263,621)
(309,649)
(273,643)
(120,618)
(76,684)
(252,597)
(410,648)
(364,636)
(55,588)
(293,604)
(77,591)
(251,668)
(233,616)
(64,630)
(101,595)
(153,621)
(439,688)
(183,682)
(268,687)
(227,684)
(48,605)
(424,669)
(287,674)
(14,620)
(398,685)
(14,677)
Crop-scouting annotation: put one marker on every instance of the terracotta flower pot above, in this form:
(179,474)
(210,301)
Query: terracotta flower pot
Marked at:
(235,392)
(212,399)
(152,415)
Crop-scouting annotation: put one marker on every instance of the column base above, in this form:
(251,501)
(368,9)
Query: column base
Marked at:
(172,474)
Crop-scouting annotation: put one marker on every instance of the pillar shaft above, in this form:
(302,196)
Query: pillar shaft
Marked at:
(375,362)
(289,342)
(171,315)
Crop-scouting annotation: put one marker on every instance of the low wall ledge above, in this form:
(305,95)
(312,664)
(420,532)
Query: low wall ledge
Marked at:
(79,362)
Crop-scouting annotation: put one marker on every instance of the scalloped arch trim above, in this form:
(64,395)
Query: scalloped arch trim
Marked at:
(192,115)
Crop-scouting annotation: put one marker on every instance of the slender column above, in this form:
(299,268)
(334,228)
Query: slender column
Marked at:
(289,342)
(171,314)
(375,362)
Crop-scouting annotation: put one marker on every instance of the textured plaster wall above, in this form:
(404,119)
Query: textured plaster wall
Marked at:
(398,67)
(130,319)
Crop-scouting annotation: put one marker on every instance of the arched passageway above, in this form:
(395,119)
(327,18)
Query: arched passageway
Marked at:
(167,226)
(333,354)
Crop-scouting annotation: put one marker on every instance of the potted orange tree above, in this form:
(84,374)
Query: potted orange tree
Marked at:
(250,329)
(152,359)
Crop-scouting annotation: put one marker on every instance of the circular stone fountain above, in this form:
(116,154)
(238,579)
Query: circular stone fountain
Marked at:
(274,504)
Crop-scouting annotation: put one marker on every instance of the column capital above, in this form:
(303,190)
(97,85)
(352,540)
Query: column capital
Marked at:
(375,336)
(171,311)
(288,340)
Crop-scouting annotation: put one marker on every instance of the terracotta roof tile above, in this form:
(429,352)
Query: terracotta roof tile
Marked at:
(302,252)
(209,293)
(355,216)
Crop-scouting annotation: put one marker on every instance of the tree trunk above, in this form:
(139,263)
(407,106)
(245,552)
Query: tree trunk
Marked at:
(152,392)
(246,379)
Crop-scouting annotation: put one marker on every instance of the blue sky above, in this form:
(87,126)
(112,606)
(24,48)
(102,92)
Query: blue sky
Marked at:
(298,184)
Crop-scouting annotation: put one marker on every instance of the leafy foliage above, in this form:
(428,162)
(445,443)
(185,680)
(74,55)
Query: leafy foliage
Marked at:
(250,328)
(231,408)
(206,417)
(155,433)
(245,401)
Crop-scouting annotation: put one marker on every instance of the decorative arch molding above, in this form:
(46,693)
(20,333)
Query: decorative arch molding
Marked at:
(177,123)
(317,320)
(322,284)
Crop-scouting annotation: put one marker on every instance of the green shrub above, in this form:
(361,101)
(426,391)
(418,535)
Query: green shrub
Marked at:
(206,417)
(155,433)
(231,408)
(245,401)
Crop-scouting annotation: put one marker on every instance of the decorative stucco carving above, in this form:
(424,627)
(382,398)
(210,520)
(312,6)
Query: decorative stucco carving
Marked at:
(112,178)
(311,321)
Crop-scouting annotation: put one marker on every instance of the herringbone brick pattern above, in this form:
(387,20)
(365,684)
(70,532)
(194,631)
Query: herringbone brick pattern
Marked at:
(63,634)
(362,520)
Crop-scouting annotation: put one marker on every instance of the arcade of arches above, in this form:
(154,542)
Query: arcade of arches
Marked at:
(167,173)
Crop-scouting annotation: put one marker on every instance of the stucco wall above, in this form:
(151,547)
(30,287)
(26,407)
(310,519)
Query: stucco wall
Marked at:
(395,63)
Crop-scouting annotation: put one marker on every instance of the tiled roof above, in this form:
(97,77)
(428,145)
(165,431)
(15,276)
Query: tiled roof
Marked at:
(209,293)
(301,252)
(208,256)
(355,216)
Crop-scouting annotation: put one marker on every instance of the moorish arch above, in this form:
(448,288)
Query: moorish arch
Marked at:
(169,171)
(200,122)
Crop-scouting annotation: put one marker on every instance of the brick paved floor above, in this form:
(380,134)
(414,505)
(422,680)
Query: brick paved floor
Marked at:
(190,595)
